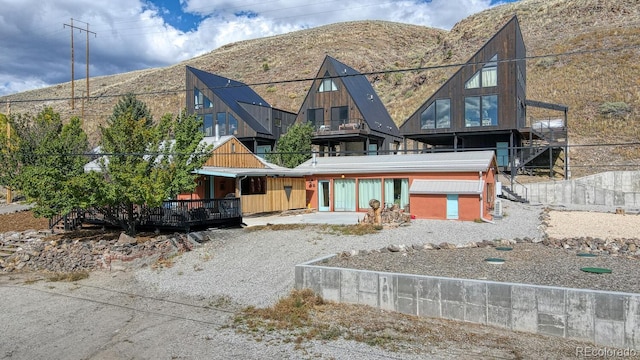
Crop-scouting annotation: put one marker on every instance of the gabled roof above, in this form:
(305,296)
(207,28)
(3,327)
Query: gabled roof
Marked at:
(365,98)
(233,93)
(467,161)
(267,169)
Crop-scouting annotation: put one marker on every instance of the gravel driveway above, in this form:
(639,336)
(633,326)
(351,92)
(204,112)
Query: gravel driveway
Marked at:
(258,268)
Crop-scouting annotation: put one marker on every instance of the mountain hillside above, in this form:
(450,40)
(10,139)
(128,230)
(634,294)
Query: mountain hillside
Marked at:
(581,53)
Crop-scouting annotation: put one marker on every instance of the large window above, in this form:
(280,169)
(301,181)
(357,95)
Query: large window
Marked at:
(481,111)
(221,121)
(208,125)
(368,189)
(316,117)
(200,101)
(437,115)
(396,192)
(262,150)
(339,115)
(486,77)
(233,125)
(254,185)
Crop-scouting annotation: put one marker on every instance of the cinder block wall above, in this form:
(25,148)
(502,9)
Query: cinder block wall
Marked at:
(604,318)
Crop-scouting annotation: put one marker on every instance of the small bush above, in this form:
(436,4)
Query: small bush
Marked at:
(265,67)
(547,62)
(618,108)
(289,312)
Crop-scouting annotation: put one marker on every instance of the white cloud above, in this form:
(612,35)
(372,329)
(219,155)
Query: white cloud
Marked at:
(134,35)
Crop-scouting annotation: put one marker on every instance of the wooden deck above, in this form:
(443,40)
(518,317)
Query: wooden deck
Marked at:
(183,215)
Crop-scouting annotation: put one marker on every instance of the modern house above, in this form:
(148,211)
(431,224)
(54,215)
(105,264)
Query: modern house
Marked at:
(347,114)
(451,185)
(233,171)
(484,106)
(235,109)
(233,182)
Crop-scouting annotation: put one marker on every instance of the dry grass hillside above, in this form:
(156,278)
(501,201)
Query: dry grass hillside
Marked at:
(582,53)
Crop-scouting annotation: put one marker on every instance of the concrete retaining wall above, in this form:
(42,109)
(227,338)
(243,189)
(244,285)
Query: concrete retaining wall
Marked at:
(604,318)
(613,188)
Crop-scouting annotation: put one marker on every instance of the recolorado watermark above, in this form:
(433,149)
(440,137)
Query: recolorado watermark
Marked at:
(605,352)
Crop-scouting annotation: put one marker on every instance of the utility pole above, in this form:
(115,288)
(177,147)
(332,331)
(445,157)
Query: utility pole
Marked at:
(8,144)
(72,67)
(72,27)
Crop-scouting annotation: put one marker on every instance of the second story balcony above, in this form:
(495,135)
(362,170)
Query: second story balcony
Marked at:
(341,127)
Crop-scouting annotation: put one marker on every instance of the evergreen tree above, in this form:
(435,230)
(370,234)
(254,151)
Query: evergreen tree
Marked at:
(146,162)
(294,147)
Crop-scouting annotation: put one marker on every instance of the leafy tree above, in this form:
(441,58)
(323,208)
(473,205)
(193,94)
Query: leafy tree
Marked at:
(294,147)
(42,159)
(146,163)
(49,181)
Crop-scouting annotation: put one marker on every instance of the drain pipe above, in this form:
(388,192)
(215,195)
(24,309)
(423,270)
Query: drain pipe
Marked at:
(481,188)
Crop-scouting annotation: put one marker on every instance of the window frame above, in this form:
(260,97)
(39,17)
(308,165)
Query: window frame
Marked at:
(222,125)
(478,81)
(208,119)
(482,107)
(254,185)
(315,122)
(434,108)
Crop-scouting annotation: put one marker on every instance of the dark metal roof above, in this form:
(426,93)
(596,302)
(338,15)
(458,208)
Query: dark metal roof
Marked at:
(365,98)
(232,93)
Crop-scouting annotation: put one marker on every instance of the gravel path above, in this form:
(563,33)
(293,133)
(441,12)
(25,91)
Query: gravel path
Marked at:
(258,268)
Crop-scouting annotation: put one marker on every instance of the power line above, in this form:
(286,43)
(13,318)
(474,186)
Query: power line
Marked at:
(420,151)
(377,72)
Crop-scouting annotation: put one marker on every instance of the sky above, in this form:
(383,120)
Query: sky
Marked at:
(128,35)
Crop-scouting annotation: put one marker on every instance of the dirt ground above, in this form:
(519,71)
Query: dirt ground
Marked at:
(566,224)
(21,221)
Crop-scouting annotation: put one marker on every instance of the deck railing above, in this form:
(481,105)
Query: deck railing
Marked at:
(341,126)
(173,214)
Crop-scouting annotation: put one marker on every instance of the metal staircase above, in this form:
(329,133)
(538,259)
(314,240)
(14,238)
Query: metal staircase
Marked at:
(512,195)
(543,138)
(508,189)
(67,222)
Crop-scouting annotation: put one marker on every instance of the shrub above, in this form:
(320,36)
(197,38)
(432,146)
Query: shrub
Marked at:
(618,108)
(547,62)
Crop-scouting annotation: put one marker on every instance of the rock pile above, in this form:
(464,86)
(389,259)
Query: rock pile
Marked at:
(38,250)
(616,247)
(388,215)
(429,246)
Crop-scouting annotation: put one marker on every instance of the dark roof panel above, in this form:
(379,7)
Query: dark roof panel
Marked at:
(365,98)
(233,92)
